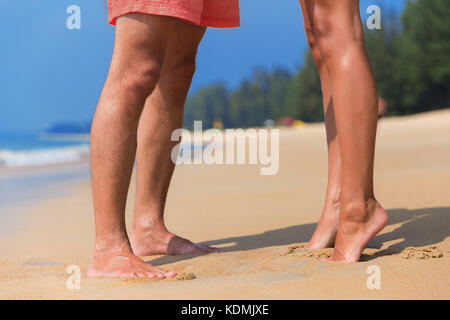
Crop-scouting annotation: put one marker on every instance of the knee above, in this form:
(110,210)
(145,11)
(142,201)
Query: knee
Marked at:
(312,42)
(335,41)
(323,33)
(181,70)
(310,38)
(176,78)
(135,76)
(140,78)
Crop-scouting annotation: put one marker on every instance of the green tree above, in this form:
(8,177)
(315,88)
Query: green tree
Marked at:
(422,65)
(247,105)
(304,100)
(380,45)
(207,105)
(277,94)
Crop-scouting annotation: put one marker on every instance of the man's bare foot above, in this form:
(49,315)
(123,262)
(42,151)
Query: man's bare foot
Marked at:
(123,263)
(157,240)
(358,225)
(325,233)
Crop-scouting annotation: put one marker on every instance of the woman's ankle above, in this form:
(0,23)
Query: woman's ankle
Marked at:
(357,210)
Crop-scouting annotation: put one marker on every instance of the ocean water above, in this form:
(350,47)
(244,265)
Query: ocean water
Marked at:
(21,150)
(20,154)
(22,189)
(37,149)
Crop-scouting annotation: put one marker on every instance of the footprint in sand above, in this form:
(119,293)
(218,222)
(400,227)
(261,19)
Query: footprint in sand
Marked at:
(185,276)
(428,252)
(182,276)
(300,250)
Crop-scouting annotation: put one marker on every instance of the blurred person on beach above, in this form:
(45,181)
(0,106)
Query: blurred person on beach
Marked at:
(351,216)
(382,107)
(140,106)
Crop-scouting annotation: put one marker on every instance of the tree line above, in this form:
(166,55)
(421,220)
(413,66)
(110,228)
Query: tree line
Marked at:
(409,55)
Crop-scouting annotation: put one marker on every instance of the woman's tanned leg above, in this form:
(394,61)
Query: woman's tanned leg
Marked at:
(338,31)
(325,233)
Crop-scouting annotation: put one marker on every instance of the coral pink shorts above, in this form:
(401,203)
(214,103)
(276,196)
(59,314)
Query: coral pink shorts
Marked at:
(208,13)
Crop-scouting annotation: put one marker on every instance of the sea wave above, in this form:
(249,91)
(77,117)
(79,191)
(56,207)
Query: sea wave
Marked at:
(36,157)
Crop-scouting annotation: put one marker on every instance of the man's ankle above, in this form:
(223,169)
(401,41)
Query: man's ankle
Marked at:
(146,224)
(119,244)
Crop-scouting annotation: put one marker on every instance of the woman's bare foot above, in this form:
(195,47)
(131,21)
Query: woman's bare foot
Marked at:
(359,223)
(121,262)
(157,240)
(325,233)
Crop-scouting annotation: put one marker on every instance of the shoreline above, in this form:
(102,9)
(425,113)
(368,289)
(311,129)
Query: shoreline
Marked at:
(27,187)
(45,169)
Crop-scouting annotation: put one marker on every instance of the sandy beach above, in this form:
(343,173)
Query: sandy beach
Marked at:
(262,223)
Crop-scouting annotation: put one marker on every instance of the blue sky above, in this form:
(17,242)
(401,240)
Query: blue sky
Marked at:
(51,74)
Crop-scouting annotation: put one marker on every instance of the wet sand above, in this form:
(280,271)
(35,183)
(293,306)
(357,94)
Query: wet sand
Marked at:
(262,223)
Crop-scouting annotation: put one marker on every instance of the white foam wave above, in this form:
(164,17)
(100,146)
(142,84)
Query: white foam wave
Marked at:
(23,158)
